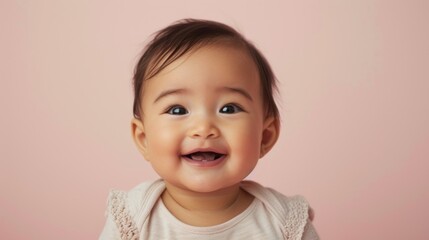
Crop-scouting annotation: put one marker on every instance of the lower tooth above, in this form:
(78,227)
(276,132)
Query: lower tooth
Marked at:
(203,157)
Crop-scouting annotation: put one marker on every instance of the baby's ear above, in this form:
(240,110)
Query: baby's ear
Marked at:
(270,134)
(139,136)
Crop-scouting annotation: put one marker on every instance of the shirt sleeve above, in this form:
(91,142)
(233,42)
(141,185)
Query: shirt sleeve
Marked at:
(119,224)
(310,232)
(110,231)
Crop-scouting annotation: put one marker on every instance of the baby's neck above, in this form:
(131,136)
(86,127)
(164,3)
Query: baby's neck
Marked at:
(206,209)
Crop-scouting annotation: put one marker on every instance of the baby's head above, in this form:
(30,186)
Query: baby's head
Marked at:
(204,111)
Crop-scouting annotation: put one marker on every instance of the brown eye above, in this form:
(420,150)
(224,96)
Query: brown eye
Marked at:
(230,109)
(177,110)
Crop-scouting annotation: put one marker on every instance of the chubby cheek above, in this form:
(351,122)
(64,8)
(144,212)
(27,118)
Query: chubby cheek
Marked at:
(245,143)
(162,142)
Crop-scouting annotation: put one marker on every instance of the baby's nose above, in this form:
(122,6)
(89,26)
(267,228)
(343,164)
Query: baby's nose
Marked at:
(204,128)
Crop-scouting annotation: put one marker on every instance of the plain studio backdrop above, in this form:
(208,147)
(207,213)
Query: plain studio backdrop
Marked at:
(354,102)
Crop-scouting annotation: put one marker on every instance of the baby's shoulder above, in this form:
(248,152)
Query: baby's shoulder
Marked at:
(146,190)
(275,198)
(138,197)
(292,212)
(129,209)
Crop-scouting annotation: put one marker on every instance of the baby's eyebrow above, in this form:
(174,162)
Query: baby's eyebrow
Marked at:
(240,91)
(169,92)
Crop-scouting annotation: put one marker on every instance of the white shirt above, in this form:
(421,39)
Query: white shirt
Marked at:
(141,214)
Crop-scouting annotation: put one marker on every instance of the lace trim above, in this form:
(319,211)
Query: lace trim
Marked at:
(123,220)
(296,218)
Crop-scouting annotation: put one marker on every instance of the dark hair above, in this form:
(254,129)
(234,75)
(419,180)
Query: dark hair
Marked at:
(174,41)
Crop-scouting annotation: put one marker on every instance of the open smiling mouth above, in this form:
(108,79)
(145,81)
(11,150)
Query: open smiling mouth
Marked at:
(204,156)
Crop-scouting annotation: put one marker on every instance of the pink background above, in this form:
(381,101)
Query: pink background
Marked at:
(354,101)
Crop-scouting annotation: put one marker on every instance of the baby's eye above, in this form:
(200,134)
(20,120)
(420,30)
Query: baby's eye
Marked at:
(177,110)
(230,108)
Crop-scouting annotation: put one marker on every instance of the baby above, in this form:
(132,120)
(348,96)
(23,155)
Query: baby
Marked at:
(204,114)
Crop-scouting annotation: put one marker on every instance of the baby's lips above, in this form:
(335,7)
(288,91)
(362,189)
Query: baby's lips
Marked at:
(201,156)
(196,150)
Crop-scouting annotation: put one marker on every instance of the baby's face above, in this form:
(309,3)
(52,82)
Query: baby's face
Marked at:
(203,119)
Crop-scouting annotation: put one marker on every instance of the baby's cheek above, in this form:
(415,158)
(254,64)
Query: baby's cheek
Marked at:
(164,139)
(247,143)
(250,134)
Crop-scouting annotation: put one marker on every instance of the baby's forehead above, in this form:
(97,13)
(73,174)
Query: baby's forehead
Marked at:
(215,61)
(229,51)
(169,52)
